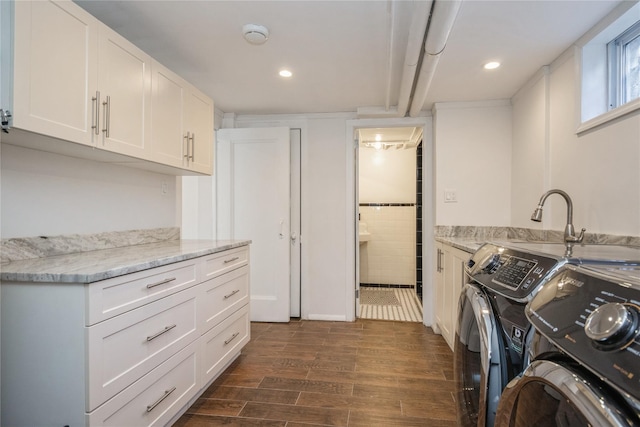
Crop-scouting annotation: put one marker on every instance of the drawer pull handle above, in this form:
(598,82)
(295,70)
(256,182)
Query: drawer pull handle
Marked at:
(231,260)
(233,337)
(162,282)
(164,331)
(231,294)
(159,401)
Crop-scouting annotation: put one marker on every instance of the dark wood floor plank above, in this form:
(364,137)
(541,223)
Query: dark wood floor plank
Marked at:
(279,383)
(195,420)
(434,405)
(318,374)
(324,416)
(391,407)
(217,407)
(368,419)
(252,394)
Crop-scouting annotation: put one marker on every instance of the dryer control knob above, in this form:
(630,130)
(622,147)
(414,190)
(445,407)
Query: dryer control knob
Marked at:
(612,325)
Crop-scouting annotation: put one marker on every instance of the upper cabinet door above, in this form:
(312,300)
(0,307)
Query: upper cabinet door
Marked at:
(168,140)
(199,128)
(124,82)
(55,70)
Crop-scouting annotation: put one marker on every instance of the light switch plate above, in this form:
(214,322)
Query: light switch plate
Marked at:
(450,196)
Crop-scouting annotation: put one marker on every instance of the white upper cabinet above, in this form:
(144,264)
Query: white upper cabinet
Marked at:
(167,113)
(77,80)
(55,70)
(182,123)
(124,85)
(199,128)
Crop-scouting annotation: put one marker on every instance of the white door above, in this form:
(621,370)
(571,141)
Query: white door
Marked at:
(253,194)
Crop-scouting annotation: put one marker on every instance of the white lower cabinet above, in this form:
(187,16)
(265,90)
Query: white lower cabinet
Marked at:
(126,347)
(156,397)
(128,351)
(221,343)
(449,280)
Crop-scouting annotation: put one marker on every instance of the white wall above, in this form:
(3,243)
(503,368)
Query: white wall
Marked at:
(389,256)
(473,158)
(387,176)
(50,194)
(600,169)
(529,148)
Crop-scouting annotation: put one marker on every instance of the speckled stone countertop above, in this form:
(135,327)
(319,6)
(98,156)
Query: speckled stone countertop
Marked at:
(95,265)
(462,243)
(470,238)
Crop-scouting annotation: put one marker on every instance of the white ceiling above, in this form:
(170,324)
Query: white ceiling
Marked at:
(344,54)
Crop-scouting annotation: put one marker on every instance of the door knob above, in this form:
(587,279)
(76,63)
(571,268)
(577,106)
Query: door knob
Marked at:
(294,236)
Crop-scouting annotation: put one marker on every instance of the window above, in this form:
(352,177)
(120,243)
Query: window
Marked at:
(609,67)
(624,67)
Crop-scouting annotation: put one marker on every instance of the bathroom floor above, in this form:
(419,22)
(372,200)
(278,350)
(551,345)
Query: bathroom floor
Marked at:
(312,373)
(399,304)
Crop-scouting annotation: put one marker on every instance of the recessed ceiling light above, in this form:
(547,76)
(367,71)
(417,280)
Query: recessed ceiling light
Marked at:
(285,73)
(491,65)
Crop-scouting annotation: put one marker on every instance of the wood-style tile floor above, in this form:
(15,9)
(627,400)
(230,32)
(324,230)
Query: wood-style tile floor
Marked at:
(311,373)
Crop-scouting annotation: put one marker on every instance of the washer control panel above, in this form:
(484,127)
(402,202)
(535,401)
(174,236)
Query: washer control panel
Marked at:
(508,271)
(596,320)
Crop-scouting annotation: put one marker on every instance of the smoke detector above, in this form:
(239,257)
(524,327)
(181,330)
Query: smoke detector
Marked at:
(255,34)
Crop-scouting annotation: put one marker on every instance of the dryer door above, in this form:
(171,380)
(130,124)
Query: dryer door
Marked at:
(476,361)
(552,393)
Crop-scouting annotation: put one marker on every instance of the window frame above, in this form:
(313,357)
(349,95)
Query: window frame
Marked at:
(617,53)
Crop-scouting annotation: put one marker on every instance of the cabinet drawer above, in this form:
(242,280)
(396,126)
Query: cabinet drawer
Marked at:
(221,344)
(124,348)
(156,397)
(222,262)
(222,296)
(111,297)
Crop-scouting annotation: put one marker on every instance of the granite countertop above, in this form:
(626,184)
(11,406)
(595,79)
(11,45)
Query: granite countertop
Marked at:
(92,266)
(462,243)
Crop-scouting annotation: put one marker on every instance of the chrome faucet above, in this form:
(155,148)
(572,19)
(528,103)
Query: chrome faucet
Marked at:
(569,232)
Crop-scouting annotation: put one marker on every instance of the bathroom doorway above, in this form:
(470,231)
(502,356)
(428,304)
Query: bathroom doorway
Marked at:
(389,215)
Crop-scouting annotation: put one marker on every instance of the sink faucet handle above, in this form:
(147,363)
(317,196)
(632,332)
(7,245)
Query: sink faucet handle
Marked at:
(575,239)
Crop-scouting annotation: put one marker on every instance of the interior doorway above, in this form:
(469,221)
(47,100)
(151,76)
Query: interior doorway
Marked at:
(389,223)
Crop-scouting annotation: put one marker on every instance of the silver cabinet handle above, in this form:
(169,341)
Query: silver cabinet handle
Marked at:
(227,261)
(233,337)
(95,119)
(162,282)
(438,263)
(157,334)
(159,401)
(193,147)
(186,138)
(231,294)
(107,116)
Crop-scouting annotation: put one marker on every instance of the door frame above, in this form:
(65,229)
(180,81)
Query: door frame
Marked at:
(351,219)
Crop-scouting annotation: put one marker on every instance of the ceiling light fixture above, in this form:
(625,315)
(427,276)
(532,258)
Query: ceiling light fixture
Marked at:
(285,73)
(255,34)
(491,65)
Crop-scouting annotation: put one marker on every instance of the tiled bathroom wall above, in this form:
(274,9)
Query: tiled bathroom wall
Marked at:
(389,256)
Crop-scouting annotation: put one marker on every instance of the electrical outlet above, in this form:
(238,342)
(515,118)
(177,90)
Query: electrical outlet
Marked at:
(450,196)
(164,187)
